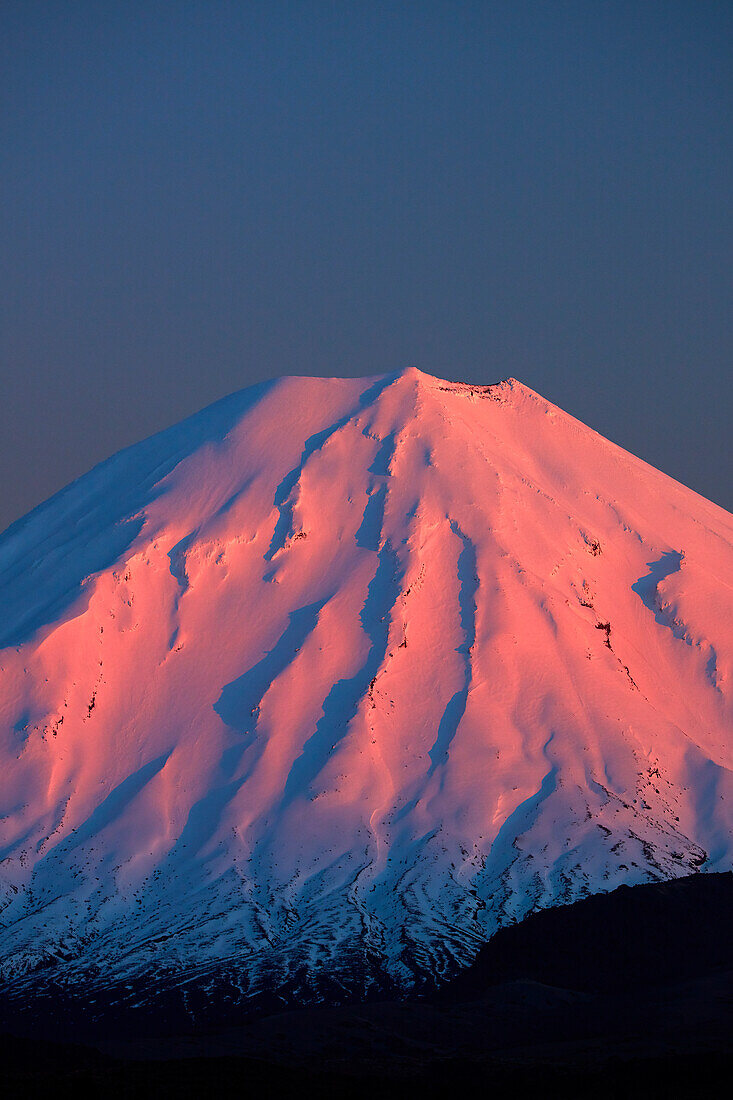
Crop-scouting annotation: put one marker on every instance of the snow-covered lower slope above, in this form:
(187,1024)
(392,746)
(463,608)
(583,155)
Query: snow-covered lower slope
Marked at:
(339,676)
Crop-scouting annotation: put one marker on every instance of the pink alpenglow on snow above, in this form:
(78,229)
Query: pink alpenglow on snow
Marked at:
(346,670)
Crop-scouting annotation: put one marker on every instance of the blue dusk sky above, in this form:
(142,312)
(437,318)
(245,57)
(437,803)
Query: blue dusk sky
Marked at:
(198,196)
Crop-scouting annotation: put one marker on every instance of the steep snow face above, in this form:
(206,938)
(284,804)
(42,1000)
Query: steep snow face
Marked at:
(339,676)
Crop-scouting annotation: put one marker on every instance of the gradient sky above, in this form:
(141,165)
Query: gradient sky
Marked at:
(197,196)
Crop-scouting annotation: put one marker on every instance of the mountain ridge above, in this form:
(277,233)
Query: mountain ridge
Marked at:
(339,676)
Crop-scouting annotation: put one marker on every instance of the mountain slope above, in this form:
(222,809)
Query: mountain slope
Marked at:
(618,994)
(338,676)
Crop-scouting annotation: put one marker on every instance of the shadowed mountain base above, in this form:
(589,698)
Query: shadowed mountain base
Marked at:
(626,993)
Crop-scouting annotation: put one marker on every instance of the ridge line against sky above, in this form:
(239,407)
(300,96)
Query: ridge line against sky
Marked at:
(202,196)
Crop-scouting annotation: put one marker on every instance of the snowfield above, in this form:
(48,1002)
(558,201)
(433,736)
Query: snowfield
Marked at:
(324,685)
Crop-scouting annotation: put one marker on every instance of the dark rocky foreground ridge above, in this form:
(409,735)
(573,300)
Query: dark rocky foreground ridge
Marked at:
(628,993)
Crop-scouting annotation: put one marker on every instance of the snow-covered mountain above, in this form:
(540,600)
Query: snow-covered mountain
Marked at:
(333,679)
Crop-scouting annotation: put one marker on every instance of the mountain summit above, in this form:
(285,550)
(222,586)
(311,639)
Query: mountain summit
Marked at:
(324,685)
